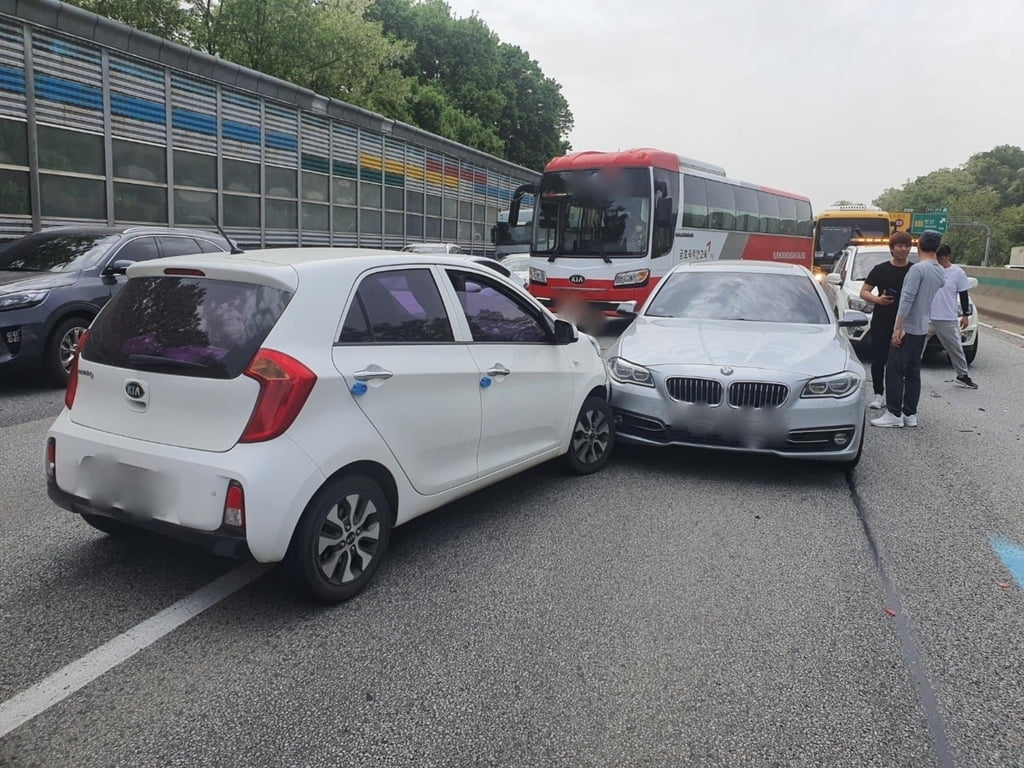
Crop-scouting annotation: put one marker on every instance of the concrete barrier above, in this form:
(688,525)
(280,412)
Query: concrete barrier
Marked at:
(1000,292)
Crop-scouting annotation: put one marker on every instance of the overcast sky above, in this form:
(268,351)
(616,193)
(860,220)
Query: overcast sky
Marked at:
(834,100)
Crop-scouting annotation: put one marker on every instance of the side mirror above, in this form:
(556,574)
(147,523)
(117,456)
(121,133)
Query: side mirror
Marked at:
(853,318)
(118,267)
(972,283)
(663,212)
(626,309)
(565,333)
(834,278)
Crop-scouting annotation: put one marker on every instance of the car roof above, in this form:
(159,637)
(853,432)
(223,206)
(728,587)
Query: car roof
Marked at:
(105,229)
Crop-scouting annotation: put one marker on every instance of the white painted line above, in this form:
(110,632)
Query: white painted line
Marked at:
(1002,330)
(33,701)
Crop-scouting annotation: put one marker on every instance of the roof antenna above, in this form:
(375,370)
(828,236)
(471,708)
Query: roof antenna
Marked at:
(235,250)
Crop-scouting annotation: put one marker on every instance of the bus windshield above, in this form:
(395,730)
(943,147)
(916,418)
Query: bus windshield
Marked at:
(599,212)
(834,234)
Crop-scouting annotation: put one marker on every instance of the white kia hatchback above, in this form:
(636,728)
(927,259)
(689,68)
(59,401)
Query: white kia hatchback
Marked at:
(296,404)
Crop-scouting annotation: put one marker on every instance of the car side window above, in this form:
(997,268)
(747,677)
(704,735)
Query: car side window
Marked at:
(399,307)
(178,246)
(210,247)
(494,312)
(139,249)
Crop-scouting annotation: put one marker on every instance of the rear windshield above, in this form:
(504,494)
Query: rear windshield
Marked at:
(185,325)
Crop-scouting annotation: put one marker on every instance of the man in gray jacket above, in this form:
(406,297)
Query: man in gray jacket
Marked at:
(903,368)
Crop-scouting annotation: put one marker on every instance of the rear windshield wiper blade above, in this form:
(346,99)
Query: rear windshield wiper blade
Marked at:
(155,361)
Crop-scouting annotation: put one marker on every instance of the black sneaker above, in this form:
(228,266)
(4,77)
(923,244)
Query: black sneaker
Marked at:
(965,381)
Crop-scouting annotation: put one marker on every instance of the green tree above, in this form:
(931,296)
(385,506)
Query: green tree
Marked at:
(164,18)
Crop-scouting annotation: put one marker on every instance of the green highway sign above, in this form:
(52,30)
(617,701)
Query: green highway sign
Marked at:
(933,218)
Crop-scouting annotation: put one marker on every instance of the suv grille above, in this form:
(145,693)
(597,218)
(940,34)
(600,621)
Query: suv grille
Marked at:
(755,394)
(694,391)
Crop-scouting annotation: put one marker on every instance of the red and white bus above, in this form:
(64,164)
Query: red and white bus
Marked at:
(608,225)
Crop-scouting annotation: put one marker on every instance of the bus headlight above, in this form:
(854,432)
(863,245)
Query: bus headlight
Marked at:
(634,277)
(538,275)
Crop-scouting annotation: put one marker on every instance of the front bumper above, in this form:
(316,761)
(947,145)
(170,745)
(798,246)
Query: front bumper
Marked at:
(817,429)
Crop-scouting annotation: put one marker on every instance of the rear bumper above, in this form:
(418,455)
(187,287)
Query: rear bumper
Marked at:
(225,542)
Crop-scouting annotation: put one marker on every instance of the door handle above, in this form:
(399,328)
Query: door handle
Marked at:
(373,373)
(498,370)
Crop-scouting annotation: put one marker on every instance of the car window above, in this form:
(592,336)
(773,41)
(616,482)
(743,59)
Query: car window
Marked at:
(55,252)
(173,245)
(494,312)
(739,295)
(397,306)
(210,247)
(139,249)
(183,325)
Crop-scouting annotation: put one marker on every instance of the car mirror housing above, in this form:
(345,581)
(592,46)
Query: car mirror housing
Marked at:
(834,278)
(853,318)
(118,267)
(565,333)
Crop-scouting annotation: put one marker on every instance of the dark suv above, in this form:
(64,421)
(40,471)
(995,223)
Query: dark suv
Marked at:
(52,284)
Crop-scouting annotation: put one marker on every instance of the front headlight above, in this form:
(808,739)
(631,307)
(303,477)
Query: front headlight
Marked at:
(837,385)
(626,372)
(864,306)
(634,277)
(22,299)
(538,275)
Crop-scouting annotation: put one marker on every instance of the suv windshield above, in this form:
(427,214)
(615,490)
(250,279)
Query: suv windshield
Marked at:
(602,212)
(53,252)
(739,295)
(183,325)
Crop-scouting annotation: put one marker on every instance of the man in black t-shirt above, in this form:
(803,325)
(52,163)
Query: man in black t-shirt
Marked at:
(887,278)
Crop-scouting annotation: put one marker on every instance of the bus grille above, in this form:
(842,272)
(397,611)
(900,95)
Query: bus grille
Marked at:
(694,391)
(755,394)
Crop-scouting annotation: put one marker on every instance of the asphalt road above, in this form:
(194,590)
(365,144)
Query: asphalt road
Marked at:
(679,608)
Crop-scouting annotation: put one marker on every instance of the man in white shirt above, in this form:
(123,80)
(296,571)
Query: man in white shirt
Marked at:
(944,322)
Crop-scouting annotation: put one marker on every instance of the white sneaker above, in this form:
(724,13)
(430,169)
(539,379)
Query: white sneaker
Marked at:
(910,421)
(888,420)
(877,403)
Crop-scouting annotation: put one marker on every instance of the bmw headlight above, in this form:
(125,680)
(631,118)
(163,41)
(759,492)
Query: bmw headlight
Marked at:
(633,277)
(626,372)
(864,306)
(22,299)
(538,275)
(837,385)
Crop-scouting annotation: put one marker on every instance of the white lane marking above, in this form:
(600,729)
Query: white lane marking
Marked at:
(1002,330)
(33,701)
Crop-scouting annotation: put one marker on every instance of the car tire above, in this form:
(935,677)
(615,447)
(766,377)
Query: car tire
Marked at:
(110,526)
(61,346)
(341,539)
(971,352)
(850,464)
(593,435)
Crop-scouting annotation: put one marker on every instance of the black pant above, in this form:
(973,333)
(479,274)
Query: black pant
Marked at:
(903,375)
(881,340)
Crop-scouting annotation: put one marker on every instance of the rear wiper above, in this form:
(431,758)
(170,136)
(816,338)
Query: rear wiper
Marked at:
(155,361)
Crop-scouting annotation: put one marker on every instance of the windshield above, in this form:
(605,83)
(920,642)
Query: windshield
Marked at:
(604,212)
(865,261)
(835,234)
(51,252)
(503,234)
(754,296)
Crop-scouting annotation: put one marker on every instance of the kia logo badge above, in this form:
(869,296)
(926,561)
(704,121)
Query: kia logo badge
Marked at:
(577,279)
(134,390)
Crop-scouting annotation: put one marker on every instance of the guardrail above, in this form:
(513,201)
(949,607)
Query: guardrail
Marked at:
(1000,292)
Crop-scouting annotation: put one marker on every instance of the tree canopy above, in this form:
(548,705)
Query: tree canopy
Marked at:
(988,188)
(409,60)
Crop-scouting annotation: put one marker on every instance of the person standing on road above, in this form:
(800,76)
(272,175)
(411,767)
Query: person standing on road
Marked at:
(945,324)
(903,367)
(887,278)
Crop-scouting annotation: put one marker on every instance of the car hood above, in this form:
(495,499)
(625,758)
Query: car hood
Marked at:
(809,350)
(11,282)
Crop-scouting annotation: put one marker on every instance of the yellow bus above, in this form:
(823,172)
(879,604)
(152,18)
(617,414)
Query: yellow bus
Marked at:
(835,227)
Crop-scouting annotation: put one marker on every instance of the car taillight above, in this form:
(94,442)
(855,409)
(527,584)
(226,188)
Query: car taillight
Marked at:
(51,458)
(234,506)
(285,383)
(69,393)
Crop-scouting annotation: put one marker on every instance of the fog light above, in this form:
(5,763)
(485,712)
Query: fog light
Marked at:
(13,336)
(234,506)
(841,439)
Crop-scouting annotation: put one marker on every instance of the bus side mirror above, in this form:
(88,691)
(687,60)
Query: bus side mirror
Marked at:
(663,212)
